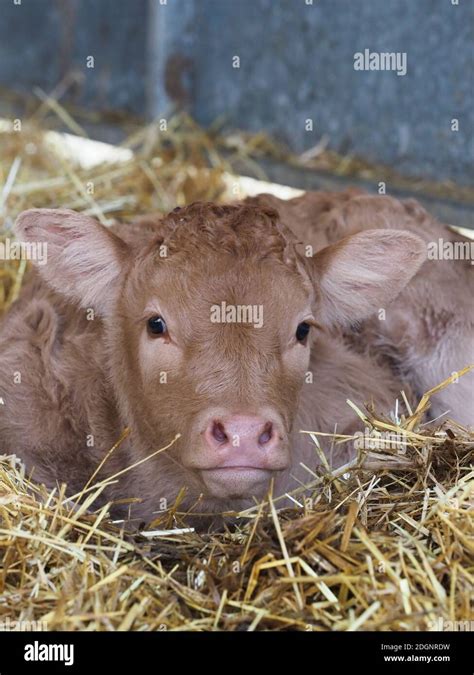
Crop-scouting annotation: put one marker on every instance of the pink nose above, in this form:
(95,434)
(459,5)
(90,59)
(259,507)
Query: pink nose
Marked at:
(242,440)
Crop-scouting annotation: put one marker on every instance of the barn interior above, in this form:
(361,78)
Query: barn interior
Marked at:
(119,113)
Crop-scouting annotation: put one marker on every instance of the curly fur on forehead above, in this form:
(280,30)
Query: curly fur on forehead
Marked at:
(247,229)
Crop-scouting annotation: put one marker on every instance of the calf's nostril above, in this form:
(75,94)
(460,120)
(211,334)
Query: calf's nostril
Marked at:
(218,432)
(266,434)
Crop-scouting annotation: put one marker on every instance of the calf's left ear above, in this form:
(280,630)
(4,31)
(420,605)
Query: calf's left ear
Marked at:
(363,273)
(83,261)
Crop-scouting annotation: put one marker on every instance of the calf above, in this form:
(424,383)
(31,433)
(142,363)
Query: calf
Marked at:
(216,324)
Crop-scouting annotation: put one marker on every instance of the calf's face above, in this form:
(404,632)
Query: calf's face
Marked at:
(218,352)
(209,328)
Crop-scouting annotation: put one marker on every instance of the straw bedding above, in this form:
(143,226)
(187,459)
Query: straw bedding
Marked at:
(385,543)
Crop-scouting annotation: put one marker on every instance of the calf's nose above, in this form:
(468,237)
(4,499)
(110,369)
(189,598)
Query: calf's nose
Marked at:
(246,434)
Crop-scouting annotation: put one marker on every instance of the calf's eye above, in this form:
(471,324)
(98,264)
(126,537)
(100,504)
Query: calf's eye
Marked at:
(156,326)
(302,331)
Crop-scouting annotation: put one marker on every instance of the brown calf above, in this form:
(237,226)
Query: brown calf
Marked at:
(213,322)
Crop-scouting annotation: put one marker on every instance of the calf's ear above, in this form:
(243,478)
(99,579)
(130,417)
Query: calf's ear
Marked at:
(82,259)
(363,273)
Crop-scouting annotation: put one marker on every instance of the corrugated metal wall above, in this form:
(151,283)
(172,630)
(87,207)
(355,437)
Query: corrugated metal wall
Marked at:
(296,63)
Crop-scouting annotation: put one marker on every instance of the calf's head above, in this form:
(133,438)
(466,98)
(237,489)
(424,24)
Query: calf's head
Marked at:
(208,326)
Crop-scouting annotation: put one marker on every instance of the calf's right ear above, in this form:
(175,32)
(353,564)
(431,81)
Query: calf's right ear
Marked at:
(83,260)
(363,273)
